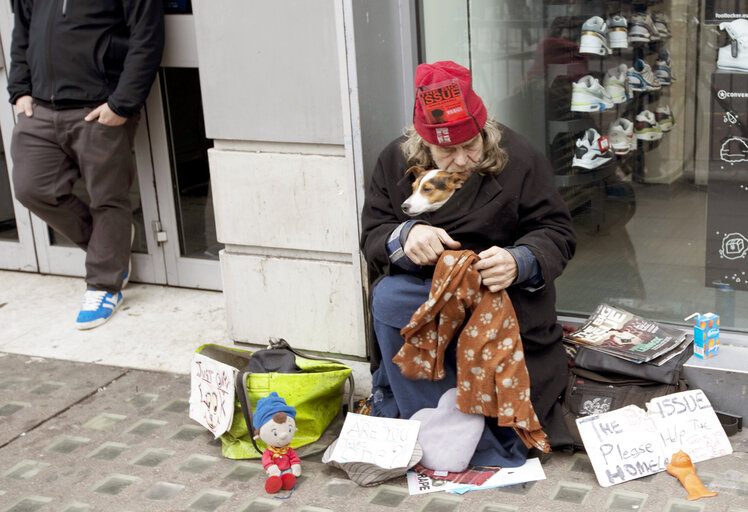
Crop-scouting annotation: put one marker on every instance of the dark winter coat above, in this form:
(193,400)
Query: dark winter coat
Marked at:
(519,206)
(86,52)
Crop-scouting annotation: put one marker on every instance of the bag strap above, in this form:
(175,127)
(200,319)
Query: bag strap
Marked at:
(283,344)
(242,392)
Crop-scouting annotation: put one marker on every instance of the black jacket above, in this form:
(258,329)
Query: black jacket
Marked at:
(86,52)
(520,206)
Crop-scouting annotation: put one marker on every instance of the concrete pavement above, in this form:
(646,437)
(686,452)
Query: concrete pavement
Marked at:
(98,421)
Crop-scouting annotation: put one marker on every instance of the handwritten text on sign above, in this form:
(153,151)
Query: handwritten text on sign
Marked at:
(686,421)
(386,442)
(212,394)
(630,443)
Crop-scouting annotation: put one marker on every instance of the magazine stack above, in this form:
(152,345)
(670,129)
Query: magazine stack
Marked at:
(630,337)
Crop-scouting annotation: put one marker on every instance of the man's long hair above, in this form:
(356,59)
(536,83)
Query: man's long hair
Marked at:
(417,152)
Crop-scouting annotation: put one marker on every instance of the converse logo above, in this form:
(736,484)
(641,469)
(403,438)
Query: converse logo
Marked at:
(722,94)
(442,135)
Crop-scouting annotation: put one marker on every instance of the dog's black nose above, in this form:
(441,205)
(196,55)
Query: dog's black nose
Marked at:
(405,207)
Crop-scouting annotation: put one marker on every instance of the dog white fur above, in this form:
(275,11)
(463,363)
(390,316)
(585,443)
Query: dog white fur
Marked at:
(431,190)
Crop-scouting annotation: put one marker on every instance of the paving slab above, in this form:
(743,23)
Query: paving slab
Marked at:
(121,440)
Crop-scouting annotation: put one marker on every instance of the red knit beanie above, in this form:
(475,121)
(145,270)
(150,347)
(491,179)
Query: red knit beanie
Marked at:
(447,111)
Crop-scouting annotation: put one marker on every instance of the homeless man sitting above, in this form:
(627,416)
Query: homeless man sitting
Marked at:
(509,213)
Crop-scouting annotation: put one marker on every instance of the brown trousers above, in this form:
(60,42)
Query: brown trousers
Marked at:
(50,151)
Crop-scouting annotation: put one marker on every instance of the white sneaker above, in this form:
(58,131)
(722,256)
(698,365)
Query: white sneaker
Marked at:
(592,151)
(621,136)
(641,78)
(594,37)
(617,32)
(664,118)
(616,84)
(646,127)
(734,56)
(588,95)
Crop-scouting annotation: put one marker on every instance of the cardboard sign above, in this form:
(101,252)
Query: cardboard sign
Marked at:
(212,393)
(686,421)
(629,443)
(386,442)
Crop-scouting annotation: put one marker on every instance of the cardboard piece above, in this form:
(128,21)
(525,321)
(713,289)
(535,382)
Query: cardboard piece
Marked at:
(386,442)
(212,393)
(630,443)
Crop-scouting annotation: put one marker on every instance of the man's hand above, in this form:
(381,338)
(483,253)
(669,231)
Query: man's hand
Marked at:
(105,115)
(25,104)
(425,244)
(497,268)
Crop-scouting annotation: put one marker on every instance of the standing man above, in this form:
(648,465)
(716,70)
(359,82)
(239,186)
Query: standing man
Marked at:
(80,73)
(508,212)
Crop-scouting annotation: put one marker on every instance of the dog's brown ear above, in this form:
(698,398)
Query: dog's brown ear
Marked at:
(456,180)
(416,171)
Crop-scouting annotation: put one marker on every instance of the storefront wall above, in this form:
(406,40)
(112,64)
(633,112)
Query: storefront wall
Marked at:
(281,171)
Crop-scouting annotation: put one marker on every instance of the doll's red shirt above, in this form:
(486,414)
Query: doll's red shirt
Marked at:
(284,461)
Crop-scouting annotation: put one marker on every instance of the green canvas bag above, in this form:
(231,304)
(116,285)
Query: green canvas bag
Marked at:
(316,393)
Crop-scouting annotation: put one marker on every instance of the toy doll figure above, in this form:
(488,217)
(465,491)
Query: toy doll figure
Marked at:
(275,425)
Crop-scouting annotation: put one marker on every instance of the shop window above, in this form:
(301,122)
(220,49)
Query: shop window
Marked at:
(660,216)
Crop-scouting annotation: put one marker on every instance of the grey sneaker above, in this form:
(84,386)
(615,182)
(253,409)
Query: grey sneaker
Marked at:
(641,78)
(642,29)
(660,23)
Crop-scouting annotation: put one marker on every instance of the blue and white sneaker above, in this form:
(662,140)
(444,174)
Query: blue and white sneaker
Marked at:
(98,307)
(662,69)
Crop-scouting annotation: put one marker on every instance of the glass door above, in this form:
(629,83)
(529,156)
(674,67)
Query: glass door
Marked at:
(175,237)
(16,238)
(180,153)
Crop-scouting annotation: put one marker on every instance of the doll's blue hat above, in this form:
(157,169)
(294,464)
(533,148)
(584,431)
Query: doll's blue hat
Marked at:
(268,406)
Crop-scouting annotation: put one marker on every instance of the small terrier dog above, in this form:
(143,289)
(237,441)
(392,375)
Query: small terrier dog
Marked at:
(431,190)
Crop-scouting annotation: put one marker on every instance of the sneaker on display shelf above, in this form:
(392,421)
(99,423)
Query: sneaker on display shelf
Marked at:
(661,24)
(621,136)
(734,56)
(592,150)
(594,37)
(588,95)
(98,307)
(617,31)
(646,127)
(662,68)
(642,29)
(641,78)
(664,118)
(616,84)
